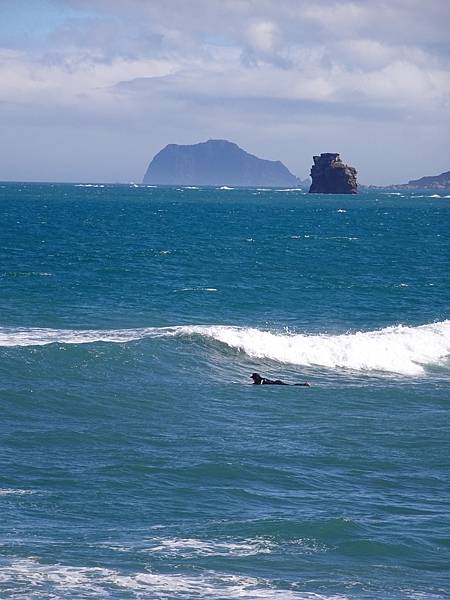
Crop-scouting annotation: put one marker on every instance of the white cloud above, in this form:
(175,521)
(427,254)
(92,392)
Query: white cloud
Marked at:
(364,53)
(341,18)
(406,85)
(65,82)
(262,35)
(215,68)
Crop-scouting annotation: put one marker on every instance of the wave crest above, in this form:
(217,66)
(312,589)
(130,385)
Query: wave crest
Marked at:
(400,349)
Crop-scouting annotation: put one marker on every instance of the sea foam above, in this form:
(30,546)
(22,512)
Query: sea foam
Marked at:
(32,579)
(399,349)
(189,547)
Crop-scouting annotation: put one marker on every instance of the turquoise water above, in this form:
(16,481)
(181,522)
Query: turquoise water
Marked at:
(137,461)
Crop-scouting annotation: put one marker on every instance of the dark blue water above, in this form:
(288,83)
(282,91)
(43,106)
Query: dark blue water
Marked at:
(137,461)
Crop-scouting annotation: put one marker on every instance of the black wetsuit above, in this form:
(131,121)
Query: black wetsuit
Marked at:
(258,380)
(265,381)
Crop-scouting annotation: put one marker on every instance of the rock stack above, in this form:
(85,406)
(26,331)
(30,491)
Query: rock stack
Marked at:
(331,176)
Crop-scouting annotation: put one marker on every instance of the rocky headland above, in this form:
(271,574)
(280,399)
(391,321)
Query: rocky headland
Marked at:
(216,163)
(331,176)
(432,182)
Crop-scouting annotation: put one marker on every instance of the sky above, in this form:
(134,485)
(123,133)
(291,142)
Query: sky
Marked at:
(91,90)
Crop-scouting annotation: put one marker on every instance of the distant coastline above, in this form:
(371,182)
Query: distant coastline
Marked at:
(439,182)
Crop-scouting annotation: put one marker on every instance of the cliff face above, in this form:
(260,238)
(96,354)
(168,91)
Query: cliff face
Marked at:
(331,176)
(215,162)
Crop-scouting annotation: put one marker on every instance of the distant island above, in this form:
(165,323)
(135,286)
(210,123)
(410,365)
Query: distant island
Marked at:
(217,163)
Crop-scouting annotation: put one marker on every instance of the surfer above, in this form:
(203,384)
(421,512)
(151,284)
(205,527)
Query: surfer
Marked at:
(258,380)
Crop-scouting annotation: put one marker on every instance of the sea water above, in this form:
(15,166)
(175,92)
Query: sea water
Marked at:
(138,461)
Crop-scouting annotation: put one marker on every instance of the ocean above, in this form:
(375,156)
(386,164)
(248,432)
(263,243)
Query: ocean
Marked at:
(136,458)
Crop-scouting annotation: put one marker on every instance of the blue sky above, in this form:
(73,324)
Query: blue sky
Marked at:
(25,23)
(92,89)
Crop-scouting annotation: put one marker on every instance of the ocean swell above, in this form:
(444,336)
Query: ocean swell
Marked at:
(399,349)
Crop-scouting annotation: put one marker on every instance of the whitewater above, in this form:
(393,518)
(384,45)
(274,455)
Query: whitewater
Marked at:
(399,349)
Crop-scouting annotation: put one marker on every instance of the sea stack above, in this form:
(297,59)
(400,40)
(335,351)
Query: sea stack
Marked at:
(331,176)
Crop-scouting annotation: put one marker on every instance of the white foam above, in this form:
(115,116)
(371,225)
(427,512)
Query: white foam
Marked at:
(15,492)
(94,185)
(42,337)
(196,289)
(187,547)
(25,274)
(28,578)
(403,350)
(399,349)
(225,187)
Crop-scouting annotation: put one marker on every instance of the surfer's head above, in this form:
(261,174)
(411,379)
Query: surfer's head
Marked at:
(256,377)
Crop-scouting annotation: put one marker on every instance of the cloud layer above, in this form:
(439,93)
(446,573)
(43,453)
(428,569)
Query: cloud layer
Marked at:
(99,86)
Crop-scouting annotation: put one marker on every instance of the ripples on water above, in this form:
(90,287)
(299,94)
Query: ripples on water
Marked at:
(137,461)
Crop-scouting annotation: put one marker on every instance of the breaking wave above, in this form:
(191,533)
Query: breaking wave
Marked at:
(399,349)
(402,350)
